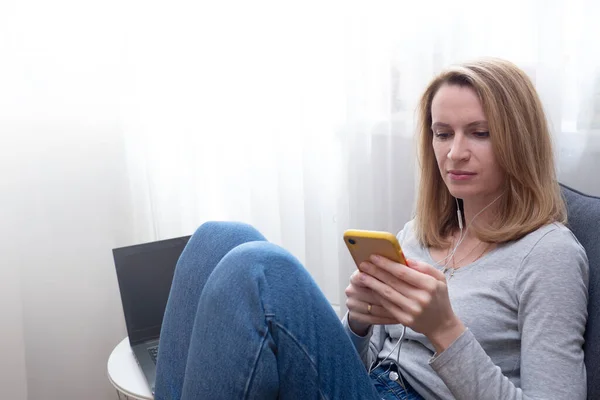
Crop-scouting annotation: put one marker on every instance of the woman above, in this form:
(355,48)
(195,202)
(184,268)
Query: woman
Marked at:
(492,303)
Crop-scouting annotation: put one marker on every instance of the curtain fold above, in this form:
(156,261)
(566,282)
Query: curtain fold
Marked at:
(302,124)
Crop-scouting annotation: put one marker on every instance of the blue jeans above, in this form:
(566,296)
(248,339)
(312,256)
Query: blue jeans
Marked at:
(245,320)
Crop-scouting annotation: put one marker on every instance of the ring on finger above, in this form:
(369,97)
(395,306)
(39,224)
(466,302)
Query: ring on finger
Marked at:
(369,307)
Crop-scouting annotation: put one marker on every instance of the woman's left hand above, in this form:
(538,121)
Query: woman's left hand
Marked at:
(417,296)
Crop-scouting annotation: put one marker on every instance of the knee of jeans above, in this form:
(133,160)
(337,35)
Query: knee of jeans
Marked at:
(252,259)
(265,254)
(222,234)
(212,228)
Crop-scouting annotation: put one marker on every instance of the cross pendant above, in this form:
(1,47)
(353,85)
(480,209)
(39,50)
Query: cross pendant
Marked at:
(446,269)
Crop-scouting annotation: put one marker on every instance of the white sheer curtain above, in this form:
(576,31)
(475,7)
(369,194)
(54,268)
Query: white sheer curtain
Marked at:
(128,121)
(299,120)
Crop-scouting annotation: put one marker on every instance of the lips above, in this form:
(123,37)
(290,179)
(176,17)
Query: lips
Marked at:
(460,172)
(458,175)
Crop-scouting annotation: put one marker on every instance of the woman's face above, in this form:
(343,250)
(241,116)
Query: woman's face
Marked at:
(462,145)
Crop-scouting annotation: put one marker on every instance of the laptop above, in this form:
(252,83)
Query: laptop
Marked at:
(145,273)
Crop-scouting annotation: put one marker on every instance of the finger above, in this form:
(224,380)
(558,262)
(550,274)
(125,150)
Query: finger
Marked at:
(426,269)
(362,307)
(376,272)
(390,294)
(354,279)
(363,294)
(421,297)
(384,276)
(372,320)
(404,273)
(403,317)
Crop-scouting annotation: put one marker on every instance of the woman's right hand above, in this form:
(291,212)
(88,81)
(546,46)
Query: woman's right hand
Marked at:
(361,316)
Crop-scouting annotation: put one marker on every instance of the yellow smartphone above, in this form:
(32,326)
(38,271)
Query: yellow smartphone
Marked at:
(362,244)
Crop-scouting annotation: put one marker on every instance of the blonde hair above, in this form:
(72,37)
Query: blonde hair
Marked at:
(523,147)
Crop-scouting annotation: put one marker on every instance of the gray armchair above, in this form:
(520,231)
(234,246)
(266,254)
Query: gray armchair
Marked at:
(584,221)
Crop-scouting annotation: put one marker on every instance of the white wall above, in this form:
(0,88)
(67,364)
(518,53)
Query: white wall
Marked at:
(69,206)
(64,200)
(12,347)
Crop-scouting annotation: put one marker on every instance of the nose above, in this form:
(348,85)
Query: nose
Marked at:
(459,148)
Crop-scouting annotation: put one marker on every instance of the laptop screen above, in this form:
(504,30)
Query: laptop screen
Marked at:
(145,273)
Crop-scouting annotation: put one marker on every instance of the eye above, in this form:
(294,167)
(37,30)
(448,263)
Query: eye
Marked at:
(481,134)
(441,135)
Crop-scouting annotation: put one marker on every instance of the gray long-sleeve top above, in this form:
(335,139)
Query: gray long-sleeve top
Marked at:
(525,307)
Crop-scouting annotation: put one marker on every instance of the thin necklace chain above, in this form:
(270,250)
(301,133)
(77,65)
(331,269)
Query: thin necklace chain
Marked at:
(454,262)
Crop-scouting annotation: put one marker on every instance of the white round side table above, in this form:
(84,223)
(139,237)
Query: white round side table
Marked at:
(125,374)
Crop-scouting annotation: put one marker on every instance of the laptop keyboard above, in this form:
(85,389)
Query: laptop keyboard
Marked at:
(153,351)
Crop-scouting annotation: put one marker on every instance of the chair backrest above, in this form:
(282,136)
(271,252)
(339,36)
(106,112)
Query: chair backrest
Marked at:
(584,221)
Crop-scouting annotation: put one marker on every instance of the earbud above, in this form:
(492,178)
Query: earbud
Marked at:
(459,214)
